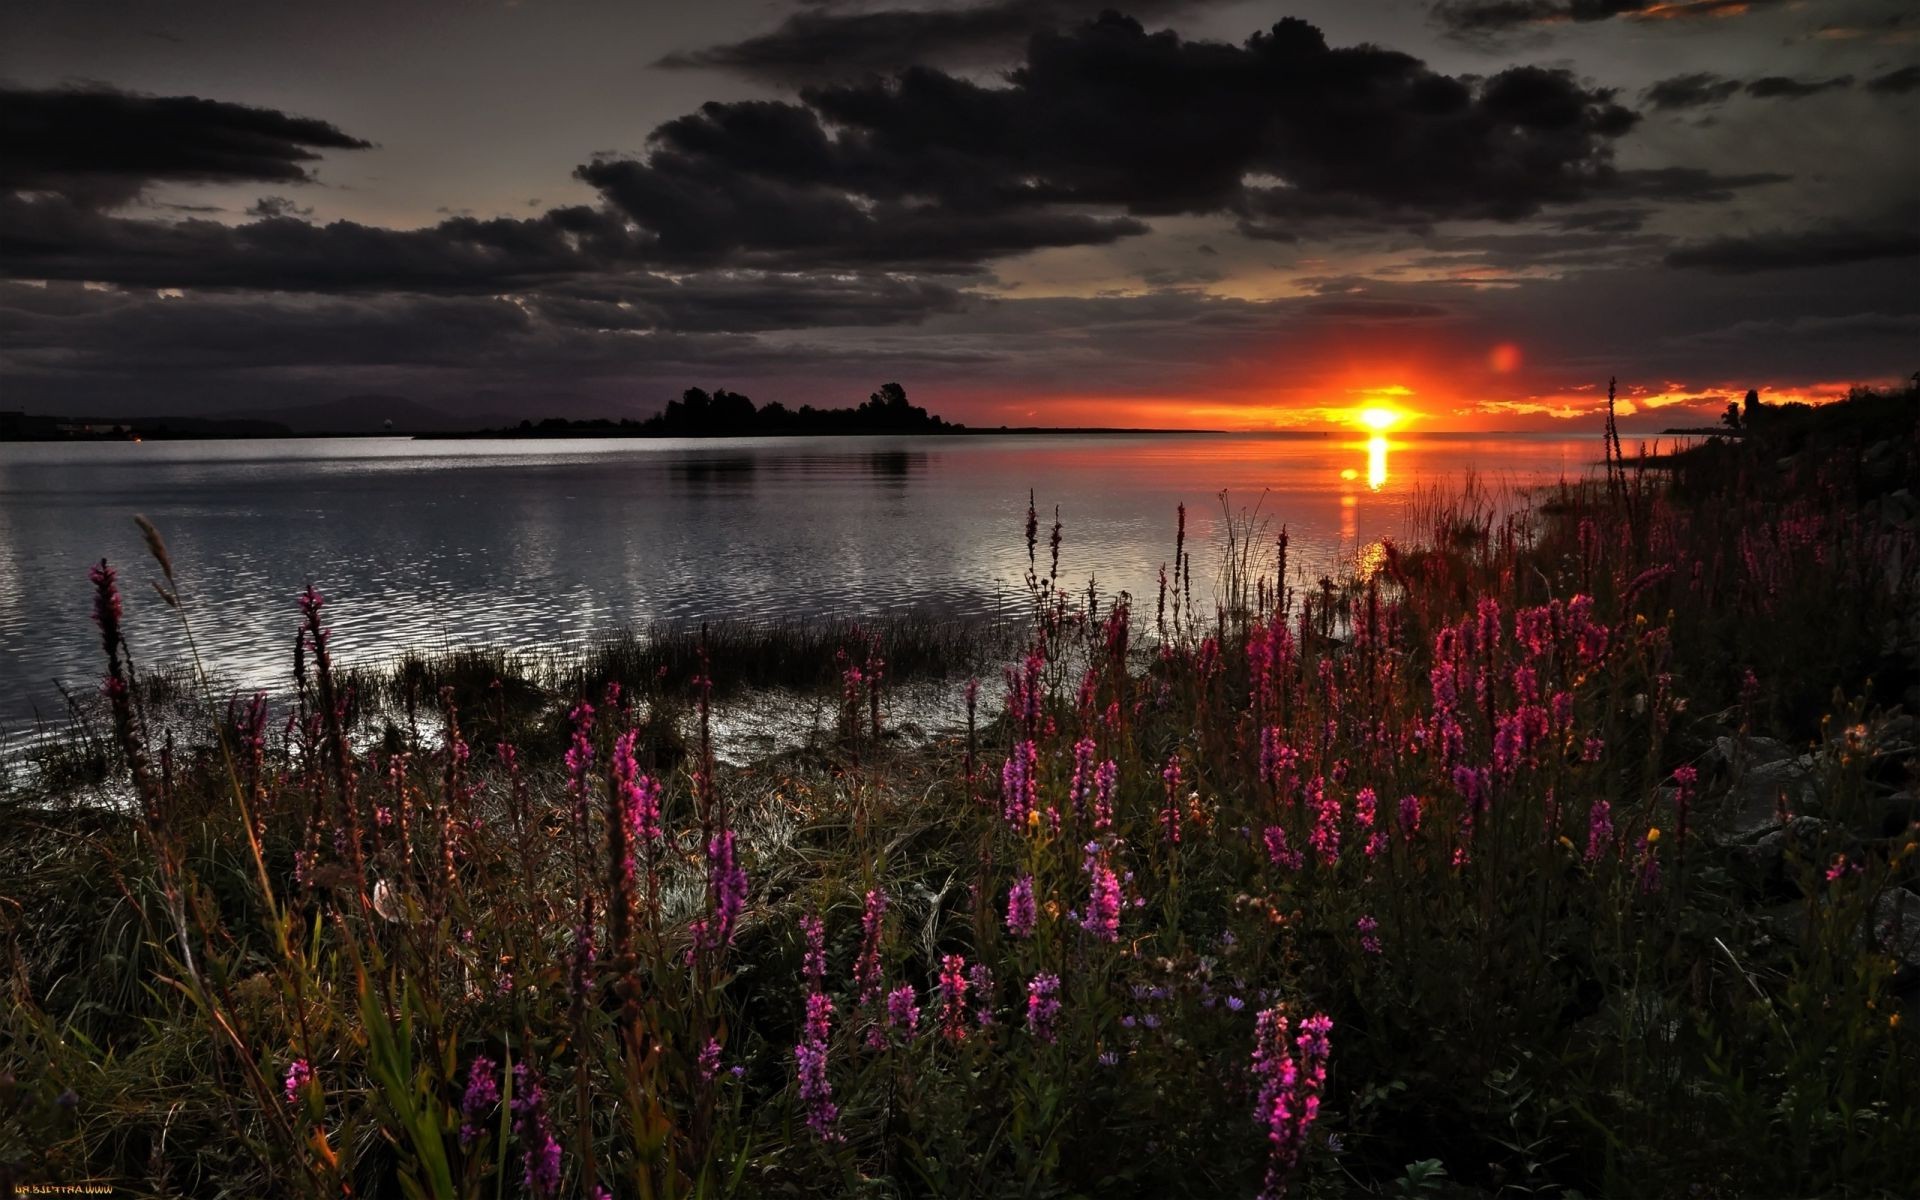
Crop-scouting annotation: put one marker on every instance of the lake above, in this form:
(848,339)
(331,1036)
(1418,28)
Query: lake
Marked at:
(527,544)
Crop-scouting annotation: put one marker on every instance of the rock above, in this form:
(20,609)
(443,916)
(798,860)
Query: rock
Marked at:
(1893,815)
(1896,930)
(1740,754)
(1758,793)
(1762,864)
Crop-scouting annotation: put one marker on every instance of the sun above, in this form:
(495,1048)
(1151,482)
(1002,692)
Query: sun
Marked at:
(1379,419)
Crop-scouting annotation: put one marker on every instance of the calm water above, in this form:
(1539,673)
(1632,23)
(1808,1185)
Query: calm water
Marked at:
(539,544)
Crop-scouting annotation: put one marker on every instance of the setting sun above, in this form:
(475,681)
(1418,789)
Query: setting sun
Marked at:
(1379,419)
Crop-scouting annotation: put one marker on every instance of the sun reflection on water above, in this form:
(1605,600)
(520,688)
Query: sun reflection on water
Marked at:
(1376,461)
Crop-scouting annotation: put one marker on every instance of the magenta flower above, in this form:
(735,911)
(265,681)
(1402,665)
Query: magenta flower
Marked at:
(639,794)
(726,891)
(810,1062)
(1102,918)
(1043,1005)
(953,997)
(483,1092)
(539,1149)
(1599,830)
(1325,838)
(1022,913)
(1105,779)
(1369,933)
(1288,1076)
(903,1010)
(981,976)
(869,973)
(1170,811)
(299,1075)
(1019,784)
(1279,853)
(1080,788)
(814,965)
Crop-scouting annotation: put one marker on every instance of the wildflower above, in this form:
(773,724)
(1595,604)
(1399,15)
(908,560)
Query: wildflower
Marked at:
(1599,829)
(483,1092)
(1043,1005)
(1170,812)
(1369,935)
(639,793)
(1278,852)
(1649,863)
(1022,914)
(814,965)
(980,975)
(1288,1076)
(1080,788)
(869,973)
(1104,781)
(1102,917)
(299,1075)
(953,997)
(903,1012)
(1325,838)
(726,893)
(539,1149)
(709,1060)
(1019,786)
(810,1061)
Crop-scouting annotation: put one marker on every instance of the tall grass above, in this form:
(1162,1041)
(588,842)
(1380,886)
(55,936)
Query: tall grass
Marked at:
(1407,883)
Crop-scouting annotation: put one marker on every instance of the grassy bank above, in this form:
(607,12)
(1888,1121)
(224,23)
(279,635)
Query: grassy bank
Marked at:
(1567,854)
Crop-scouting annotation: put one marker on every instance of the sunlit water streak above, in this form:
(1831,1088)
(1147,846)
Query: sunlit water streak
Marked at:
(543,544)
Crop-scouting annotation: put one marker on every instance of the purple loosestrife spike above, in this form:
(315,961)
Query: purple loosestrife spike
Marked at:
(727,893)
(1080,789)
(903,1010)
(1599,830)
(299,1075)
(1043,1005)
(1170,811)
(953,997)
(1288,1077)
(1369,933)
(483,1092)
(1105,779)
(1279,853)
(810,1062)
(710,1060)
(1022,912)
(539,1149)
(814,964)
(869,972)
(1019,784)
(981,976)
(1102,918)
(1325,838)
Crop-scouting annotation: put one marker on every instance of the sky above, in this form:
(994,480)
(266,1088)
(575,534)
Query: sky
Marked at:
(1170,214)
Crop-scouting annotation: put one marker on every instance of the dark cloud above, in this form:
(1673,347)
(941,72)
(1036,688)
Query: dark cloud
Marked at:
(1789,88)
(926,167)
(821,43)
(278,206)
(102,147)
(1786,250)
(1480,18)
(1691,90)
(1897,82)
(49,237)
(1701,88)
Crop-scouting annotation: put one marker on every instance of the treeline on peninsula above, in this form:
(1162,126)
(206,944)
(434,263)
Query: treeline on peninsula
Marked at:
(721,413)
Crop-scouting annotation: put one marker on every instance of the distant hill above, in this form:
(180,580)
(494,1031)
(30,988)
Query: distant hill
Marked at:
(369,413)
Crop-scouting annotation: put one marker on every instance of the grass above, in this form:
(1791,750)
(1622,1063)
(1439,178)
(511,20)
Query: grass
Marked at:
(1473,808)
